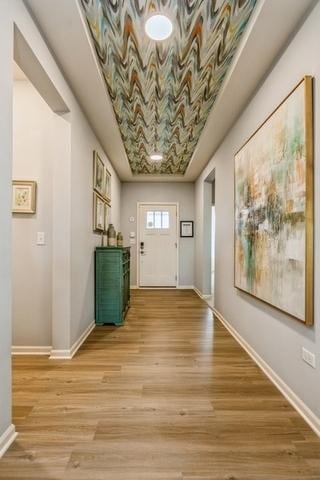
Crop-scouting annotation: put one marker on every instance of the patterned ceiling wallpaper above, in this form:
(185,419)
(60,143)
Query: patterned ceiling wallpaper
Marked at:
(162,92)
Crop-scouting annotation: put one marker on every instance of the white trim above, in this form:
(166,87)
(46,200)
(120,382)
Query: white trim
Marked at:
(185,287)
(7,438)
(176,204)
(69,354)
(134,287)
(201,295)
(25,350)
(298,404)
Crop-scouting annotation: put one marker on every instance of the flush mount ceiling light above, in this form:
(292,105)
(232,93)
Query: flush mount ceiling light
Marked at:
(156,157)
(158,27)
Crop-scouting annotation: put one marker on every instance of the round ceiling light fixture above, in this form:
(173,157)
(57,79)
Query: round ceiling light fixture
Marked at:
(156,157)
(158,27)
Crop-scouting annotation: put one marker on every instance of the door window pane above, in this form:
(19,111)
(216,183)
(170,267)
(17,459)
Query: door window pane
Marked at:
(159,220)
(165,220)
(150,219)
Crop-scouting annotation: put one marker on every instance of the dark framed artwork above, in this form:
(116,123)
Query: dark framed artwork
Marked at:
(274,208)
(186,229)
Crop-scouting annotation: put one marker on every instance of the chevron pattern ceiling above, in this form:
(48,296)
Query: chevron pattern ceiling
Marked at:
(162,93)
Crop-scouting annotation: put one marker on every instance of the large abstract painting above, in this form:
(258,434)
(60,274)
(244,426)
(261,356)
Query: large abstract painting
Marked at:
(162,93)
(274,208)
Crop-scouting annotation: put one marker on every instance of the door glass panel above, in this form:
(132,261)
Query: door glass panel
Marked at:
(165,220)
(157,220)
(150,219)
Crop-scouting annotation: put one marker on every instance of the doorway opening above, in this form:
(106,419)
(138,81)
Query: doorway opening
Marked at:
(157,247)
(40,195)
(209,232)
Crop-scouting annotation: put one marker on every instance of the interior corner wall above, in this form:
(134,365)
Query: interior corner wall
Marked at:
(6,53)
(183,193)
(83,239)
(276,337)
(33,141)
(78,236)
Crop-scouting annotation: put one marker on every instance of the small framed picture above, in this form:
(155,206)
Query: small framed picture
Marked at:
(186,228)
(99,176)
(107,211)
(107,185)
(24,196)
(98,213)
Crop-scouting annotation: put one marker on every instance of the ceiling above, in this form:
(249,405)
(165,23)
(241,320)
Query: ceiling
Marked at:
(65,29)
(162,92)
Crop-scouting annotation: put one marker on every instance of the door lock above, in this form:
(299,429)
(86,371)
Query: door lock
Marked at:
(142,252)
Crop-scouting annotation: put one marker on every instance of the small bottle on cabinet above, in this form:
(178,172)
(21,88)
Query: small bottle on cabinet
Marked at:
(111,234)
(120,239)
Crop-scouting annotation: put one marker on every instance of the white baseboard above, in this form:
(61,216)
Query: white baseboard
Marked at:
(7,438)
(201,295)
(312,420)
(25,350)
(178,287)
(69,354)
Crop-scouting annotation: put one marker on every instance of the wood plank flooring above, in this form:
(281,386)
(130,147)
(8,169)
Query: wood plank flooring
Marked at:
(169,396)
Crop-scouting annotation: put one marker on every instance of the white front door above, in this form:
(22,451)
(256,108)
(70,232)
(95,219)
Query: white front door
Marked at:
(157,245)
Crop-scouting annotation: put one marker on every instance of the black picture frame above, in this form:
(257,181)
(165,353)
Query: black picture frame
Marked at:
(184,224)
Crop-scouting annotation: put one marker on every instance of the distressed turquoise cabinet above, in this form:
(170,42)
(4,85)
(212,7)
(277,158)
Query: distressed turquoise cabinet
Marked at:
(112,284)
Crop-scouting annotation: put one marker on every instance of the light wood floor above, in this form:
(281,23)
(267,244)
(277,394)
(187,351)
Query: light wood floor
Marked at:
(169,396)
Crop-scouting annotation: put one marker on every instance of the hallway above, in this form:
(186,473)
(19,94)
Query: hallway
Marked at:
(169,396)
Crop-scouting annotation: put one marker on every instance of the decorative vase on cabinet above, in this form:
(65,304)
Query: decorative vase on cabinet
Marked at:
(112,284)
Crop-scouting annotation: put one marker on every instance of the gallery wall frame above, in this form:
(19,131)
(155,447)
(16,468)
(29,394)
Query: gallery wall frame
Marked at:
(107,214)
(98,213)
(107,188)
(24,196)
(99,175)
(273,211)
(101,195)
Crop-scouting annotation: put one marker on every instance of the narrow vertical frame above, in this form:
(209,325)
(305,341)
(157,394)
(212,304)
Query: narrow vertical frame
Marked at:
(309,286)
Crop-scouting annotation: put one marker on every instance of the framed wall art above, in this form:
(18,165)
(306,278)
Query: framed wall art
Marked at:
(99,176)
(107,212)
(98,213)
(107,185)
(274,208)
(186,228)
(24,196)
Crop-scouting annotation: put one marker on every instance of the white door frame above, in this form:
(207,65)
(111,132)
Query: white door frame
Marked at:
(141,204)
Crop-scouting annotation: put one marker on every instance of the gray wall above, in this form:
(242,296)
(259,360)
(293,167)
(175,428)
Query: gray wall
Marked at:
(6,47)
(32,264)
(76,239)
(183,193)
(277,338)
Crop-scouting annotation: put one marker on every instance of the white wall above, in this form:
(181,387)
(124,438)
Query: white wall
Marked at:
(32,264)
(277,338)
(183,193)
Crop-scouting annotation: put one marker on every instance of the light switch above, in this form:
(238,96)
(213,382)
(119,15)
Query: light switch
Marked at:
(131,219)
(132,234)
(41,238)
(132,241)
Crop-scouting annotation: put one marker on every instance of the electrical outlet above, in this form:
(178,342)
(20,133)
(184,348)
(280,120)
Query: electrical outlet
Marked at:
(41,238)
(309,357)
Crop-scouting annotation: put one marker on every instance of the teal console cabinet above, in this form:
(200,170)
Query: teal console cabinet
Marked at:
(112,284)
